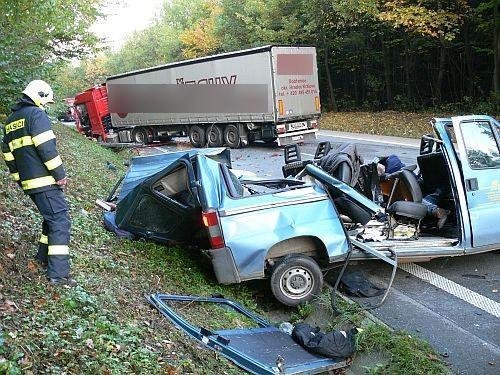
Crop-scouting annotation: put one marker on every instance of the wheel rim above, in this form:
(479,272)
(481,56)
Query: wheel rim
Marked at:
(214,136)
(140,137)
(296,282)
(232,137)
(195,136)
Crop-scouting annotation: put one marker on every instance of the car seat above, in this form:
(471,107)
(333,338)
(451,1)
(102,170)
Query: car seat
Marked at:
(405,202)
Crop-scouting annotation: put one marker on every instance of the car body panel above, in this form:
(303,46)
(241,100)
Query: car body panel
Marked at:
(253,233)
(477,140)
(260,349)
(149,214)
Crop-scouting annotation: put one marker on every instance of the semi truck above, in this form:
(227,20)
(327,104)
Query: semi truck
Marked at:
(268,93)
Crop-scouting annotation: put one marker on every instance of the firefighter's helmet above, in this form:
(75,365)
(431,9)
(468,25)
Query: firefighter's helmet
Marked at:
(40,92)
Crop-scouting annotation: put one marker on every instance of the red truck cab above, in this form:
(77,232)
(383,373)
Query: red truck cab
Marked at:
(92,113)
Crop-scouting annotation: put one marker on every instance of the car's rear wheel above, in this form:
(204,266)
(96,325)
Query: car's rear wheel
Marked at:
(296,279)
(197,136)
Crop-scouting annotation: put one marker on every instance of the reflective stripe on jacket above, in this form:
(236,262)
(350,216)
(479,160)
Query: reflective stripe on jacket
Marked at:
(29,149)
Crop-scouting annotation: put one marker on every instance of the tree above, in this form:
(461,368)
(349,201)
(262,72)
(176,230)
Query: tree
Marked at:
(201,39)
(36,38)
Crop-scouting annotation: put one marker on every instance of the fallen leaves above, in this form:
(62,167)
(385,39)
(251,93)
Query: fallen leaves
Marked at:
(399,124)
(7,307)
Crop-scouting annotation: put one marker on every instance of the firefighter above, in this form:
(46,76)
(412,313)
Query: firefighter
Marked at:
(29,150)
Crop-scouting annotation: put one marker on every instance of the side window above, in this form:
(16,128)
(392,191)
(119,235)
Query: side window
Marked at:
(150,215)
(175,186)
(480,144)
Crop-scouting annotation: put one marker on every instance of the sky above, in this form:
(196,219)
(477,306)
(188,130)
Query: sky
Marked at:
(124,17)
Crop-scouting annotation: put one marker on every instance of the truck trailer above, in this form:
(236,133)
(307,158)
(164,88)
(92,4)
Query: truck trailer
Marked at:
(267,93)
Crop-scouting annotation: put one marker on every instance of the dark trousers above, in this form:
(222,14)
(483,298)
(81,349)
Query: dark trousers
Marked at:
(53,247)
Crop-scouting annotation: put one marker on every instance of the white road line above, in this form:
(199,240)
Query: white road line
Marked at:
(306,154)
(457,290)
(160,149)
(369,140)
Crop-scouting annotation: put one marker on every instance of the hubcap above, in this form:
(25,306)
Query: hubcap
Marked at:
(296,282)
(231,137)
(139,137)
(195,136)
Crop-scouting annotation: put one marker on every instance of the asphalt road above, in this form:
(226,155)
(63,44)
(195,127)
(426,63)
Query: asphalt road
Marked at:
(467,336)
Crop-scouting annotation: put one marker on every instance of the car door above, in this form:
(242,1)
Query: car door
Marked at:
(164,206)
(478,141)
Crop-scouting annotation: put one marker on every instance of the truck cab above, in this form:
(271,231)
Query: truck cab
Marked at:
(92,115)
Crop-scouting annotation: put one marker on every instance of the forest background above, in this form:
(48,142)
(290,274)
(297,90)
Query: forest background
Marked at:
(373,55)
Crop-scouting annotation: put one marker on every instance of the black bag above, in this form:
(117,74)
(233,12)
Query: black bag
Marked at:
(336,344)
(356,284)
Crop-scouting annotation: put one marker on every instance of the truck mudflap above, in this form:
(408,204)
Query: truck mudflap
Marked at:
(304,136)
(261,350)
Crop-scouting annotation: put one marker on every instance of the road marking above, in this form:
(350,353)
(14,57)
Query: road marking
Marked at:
(457,290)
(306,154)
(369,140)
(160,149)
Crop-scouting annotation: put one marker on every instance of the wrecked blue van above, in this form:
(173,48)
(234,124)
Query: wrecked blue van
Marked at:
(290,230)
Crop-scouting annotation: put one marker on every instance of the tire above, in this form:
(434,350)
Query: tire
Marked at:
(140,135)
(232,136)
(215,136)
(197,136)
(296,279)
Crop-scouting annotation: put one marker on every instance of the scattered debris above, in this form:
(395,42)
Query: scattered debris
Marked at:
(244,346)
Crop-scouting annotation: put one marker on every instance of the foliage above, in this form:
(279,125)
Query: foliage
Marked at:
(35,38)
(200,39)
(435,19)
(372,55)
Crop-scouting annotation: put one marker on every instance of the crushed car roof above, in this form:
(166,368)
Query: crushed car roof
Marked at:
(142,167)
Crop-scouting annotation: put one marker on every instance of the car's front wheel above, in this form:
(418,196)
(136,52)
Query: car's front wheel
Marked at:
(296,279)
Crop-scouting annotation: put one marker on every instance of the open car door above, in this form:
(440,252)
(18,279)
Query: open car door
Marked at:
(478,142)
(164,206)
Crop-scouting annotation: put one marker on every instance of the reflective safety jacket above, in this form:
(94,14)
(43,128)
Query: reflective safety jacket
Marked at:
(29,148)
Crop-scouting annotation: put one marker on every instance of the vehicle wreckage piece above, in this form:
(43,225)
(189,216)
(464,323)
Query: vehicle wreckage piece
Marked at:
(261,350)
(391,260)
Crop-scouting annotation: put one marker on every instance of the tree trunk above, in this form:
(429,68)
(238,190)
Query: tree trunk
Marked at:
(331,95)
(496,57)
(387,76)
(468,62)
(440,78)
(409,94)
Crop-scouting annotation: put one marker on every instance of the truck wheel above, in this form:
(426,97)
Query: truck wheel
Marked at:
(232,136)
(197,136)
(215,136)
(296,279)
(140,135)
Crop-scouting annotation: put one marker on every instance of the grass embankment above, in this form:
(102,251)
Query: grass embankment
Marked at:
(105,325)
(397,124)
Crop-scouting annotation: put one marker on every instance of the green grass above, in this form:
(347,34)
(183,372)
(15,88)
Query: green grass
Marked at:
(392,123)
(406,354)
(105,325)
